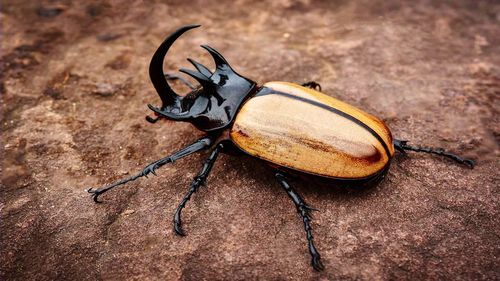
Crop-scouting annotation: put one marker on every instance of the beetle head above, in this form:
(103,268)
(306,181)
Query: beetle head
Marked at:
(209,107)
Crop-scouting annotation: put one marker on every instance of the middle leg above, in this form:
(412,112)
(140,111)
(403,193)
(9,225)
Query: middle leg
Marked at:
(197,182)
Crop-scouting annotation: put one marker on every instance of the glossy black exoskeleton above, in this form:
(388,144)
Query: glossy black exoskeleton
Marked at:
(215,105)
(211,107)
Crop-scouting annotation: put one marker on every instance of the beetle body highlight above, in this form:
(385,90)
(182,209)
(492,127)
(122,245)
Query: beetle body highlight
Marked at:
(307,131)
(294,128)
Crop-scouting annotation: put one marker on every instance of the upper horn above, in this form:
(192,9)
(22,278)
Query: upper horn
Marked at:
(219,60)
(201,68)
(167,95)
(202,79)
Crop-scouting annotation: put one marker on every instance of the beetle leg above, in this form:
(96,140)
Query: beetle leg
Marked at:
(197,182)
(180,78)
(402,145)
(313,85)
(199,145)
(303,211)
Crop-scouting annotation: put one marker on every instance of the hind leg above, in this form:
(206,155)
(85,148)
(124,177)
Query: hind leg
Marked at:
(402,145)
(303,211)
(313,85)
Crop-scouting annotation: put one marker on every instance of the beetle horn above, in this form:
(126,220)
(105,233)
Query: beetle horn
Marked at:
(200,67)
(219,60)
(167,95)
(201,78)
(170,115)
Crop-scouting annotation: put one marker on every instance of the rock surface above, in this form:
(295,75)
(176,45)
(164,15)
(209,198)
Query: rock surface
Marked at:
(74,82)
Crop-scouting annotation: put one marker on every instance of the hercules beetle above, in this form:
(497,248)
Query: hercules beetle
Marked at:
(294,128)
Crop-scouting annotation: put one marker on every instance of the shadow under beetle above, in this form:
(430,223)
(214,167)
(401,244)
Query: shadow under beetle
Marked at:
(294,128)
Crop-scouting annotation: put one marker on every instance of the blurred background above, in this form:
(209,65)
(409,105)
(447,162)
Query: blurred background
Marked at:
(74,89)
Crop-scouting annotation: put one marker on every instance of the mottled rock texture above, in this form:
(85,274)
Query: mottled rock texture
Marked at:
(74,83)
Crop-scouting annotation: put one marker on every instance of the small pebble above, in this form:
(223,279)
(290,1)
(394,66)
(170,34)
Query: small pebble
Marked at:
(105,89)
(128,212)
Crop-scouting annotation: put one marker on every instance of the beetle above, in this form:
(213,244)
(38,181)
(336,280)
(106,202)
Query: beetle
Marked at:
(294,128)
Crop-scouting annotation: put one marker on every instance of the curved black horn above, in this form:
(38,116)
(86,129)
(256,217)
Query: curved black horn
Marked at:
(201,68)
(167,95)
(219,60)
(170,115)
(202,79)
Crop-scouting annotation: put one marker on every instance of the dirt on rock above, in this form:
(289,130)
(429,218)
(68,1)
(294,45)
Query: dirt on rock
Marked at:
(74,89)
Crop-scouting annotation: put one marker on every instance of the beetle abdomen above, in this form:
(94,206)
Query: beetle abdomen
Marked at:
(305,130)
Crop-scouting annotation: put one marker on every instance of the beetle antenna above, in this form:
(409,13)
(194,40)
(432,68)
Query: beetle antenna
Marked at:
(402,145)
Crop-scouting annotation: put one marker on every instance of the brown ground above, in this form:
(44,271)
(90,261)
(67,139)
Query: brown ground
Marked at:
(74,90)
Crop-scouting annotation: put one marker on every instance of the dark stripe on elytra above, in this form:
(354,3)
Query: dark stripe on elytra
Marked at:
(268,91)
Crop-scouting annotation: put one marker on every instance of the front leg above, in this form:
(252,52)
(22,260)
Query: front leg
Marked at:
(198,145)
(303,211)
(197,182)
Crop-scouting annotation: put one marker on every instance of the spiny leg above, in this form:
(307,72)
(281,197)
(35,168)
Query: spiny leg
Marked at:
(313,85)
(173,77)
(402,145)
(198,145)
(197,182)
(303,211)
